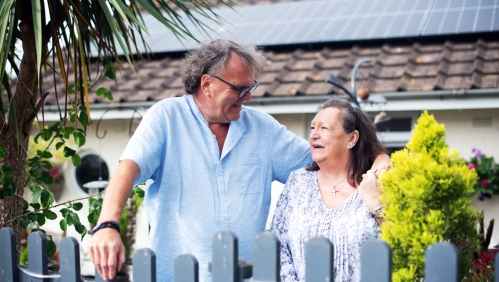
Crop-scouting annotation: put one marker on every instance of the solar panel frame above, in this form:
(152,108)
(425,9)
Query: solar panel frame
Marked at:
(334,20)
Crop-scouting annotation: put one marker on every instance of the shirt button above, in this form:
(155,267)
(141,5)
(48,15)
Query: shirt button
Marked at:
(221,191)
(225,221)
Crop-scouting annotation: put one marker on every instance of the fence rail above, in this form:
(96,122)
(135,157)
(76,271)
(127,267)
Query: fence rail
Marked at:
(441,261)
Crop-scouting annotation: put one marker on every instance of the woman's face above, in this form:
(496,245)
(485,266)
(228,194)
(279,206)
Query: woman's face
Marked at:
(327,139)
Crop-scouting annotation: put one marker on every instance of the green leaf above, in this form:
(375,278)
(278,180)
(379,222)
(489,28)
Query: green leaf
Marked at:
(44,154)
(37,27)
(40,219)
(76,160)
(68,131)
(77,206)
(93,218)
(36,206)
(51,248)
(46,164)
(46,178)
(44,197)
(83,118)
(59,145)
(79,138)
(49,214)
(25,205)
(138,192)
(78,228)
(37,192)
(68,152)
(74,217)
(64,225)
(64,212)
(7,169)
(47,134)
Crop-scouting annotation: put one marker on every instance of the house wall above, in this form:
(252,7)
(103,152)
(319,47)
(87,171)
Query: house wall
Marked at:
(461,135)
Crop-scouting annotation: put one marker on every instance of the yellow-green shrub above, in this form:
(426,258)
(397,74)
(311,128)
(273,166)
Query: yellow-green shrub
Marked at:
(427,200)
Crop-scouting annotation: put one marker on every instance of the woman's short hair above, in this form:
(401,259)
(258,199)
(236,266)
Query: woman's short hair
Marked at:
(212,57)
(367,147)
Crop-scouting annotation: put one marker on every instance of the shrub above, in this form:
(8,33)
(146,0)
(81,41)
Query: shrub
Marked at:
(487,183)
(427,200)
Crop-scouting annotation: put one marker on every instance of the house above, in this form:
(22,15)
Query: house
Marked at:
(435,55)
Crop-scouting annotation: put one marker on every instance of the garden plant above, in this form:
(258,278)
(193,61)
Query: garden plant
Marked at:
(427,200)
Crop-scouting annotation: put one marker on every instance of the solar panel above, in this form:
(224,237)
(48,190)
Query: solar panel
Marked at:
(333,20)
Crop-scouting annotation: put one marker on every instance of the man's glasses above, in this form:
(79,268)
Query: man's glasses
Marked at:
(242,91)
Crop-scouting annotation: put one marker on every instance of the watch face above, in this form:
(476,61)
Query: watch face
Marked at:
(379,213)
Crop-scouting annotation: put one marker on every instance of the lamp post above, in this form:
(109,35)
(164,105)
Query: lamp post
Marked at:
(372,99)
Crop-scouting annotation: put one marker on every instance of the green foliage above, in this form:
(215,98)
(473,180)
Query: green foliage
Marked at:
(487,183)
(427,200)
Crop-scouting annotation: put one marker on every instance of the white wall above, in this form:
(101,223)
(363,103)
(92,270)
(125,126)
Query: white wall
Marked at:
(460,135)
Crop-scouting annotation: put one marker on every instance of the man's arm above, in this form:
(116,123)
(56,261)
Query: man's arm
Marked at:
(106,248)
(381,163)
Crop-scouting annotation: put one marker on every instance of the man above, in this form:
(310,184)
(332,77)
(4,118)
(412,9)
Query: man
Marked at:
(211,159)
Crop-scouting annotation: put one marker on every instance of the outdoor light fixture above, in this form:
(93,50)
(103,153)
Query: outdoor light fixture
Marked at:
(372,99)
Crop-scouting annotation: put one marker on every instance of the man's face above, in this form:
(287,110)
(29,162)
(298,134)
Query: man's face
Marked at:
(225,104)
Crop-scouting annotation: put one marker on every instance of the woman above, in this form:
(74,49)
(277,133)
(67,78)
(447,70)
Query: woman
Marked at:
(325,199)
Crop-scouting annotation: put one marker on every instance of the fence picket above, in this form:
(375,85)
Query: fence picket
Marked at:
(266,258)
(225,257)
(37,255)
(376,262)
(186,269)
(8,258)
(69,250)
(144,265)
(441,263)
(319,255)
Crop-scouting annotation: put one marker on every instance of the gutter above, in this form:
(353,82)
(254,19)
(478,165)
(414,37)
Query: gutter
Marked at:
(396,101)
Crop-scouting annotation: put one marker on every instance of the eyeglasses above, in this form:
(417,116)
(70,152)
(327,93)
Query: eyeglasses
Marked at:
(242,91)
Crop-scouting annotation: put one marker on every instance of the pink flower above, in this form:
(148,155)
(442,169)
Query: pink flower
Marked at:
(485,182)
(473,149)
(471,165)
(479,154)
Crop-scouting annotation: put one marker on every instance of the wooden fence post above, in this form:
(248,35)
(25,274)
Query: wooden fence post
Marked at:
(8,258)
(144,265)
(266,258)
(441,263)
(225,257)
(186,269)
(376,262)
(319,253)
(70,260)
(37,255)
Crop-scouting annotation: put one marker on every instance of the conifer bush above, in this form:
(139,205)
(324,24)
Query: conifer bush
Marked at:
(427,200)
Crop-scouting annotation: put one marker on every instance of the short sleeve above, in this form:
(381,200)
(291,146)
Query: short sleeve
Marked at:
(289,152)
(147,143)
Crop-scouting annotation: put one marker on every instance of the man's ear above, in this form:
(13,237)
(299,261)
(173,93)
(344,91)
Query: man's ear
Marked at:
(205,84)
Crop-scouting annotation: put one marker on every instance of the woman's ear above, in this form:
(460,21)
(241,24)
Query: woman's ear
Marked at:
(354,137)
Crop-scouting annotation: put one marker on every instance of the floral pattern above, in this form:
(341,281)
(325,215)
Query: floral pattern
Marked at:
(301,215)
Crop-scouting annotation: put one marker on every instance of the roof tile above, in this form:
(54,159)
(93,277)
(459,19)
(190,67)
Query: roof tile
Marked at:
(490,81)
(290,89)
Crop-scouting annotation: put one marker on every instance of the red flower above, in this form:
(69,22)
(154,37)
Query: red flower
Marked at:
(485,182)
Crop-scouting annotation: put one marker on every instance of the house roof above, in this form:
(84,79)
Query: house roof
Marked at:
(302,70)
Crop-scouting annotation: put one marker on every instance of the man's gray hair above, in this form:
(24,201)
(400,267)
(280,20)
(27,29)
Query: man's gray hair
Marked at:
(211,58)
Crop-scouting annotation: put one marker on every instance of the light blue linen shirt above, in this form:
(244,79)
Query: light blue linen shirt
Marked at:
(197,192)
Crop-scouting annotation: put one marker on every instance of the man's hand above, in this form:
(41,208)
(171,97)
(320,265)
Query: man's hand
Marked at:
(381,164)
(369,190)
(107,252)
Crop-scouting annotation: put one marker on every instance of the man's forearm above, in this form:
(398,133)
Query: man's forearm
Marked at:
(118,190)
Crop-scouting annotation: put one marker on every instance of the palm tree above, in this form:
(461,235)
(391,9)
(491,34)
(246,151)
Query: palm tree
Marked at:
(60,35)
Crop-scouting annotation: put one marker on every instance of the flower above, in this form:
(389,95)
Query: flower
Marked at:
(487,183)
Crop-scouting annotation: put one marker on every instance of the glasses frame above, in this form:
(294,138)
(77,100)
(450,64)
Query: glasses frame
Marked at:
(242,91)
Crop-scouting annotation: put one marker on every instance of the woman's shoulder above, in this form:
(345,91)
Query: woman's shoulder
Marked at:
(301,176)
